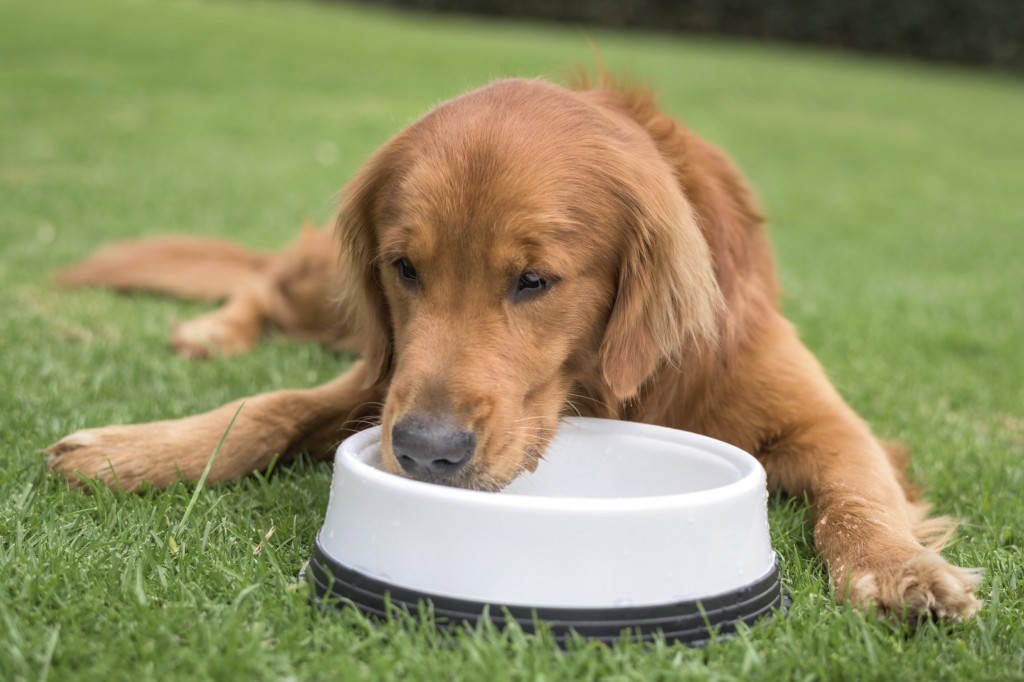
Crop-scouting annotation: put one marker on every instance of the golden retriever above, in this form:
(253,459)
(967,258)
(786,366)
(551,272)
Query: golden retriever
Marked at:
(522,252)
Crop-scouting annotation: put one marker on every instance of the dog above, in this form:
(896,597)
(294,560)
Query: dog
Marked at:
(522,252)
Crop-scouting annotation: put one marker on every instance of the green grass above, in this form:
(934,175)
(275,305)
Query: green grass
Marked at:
(895,196)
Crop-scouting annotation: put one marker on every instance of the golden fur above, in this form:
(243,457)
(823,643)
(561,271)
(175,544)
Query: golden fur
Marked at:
(662,308)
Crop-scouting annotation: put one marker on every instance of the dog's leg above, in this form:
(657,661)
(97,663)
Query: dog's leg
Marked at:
(186,267)
(189,267)
(294,291)
(297,294)
(233,328)
(281,423)
(880,547)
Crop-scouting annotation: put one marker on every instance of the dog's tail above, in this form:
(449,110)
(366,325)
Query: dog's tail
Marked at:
(186,267)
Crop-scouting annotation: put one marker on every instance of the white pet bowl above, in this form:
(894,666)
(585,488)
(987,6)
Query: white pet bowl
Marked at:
(623,526)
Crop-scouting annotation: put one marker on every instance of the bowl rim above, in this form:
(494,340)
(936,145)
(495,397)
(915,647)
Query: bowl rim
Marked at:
(751,472)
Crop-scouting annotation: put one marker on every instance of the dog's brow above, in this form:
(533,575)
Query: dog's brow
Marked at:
(405,239)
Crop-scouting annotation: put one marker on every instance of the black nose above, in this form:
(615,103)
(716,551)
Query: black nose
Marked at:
(431,446)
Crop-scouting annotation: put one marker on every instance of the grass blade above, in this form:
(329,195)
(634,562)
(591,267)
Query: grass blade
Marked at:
(206,472)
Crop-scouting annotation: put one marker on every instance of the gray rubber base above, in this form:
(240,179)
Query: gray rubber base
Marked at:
(689,622)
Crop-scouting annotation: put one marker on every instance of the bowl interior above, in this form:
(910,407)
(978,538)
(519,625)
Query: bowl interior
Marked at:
(582,464)
(614,461)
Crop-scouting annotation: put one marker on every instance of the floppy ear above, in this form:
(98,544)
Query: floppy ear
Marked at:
(668,300)
(362,295)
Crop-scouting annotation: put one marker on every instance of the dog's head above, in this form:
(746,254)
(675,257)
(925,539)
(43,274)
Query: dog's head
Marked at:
(516,242)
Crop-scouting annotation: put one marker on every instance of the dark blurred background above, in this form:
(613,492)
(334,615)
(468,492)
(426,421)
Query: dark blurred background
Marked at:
(987,33)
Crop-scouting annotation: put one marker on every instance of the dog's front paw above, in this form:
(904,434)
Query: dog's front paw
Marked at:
(923,585)
(115,455)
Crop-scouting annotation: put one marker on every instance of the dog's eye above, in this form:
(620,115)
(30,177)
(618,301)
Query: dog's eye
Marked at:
(530,284)
(406,271)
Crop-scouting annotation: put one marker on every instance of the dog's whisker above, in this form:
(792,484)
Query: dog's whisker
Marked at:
(571,404)
(590,399)
(528,429)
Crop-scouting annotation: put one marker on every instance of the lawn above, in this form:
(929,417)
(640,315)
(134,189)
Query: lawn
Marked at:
(896,193)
